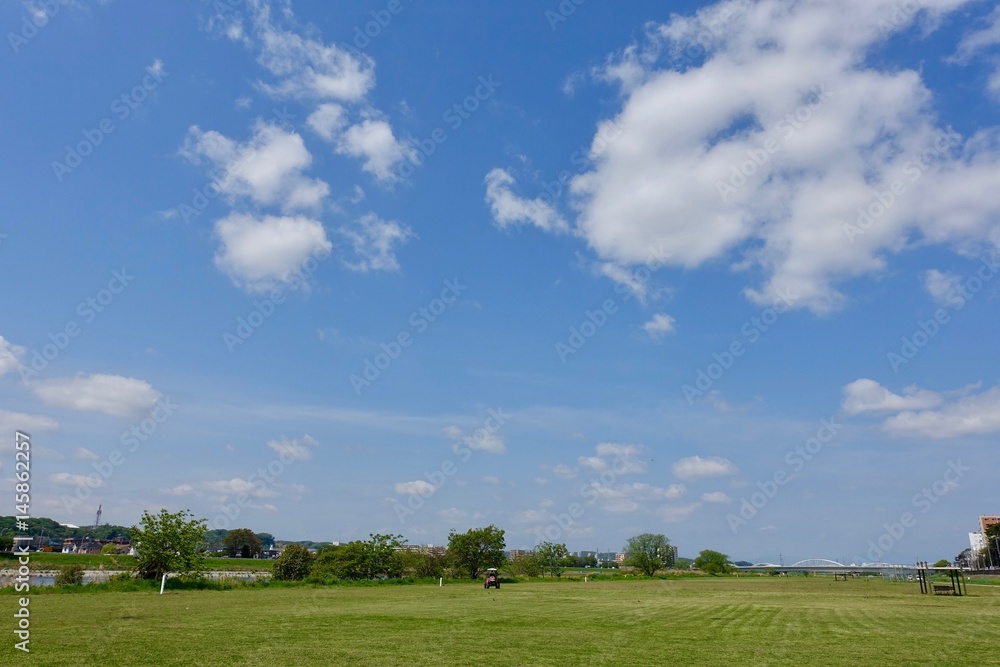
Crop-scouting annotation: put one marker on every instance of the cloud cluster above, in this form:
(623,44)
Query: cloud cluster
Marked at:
(922,413)
(269,168)
(374,242)
(783,148)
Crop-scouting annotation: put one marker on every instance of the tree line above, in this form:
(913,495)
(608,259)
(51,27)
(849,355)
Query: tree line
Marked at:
(174,542)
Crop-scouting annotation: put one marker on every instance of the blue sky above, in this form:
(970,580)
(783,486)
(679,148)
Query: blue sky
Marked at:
(721,271)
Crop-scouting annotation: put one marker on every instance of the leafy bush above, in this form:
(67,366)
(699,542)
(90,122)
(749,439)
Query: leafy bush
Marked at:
(293,564)
(70,575)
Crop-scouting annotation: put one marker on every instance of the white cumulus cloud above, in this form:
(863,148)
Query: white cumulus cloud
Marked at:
(267,168)
(109,394)
(374,141)
(977,414)
(866,395)
(764,152)
(695,467)
(10,356)
(374,242)
(660,325)
(260,254)
(296,449)
(20,421)
(510,210)
(419,487)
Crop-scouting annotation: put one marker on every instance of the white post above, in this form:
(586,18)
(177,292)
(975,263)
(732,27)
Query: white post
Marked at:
(440,582)
(163,583)
(585,580)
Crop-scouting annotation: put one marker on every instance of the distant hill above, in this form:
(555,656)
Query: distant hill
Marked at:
(54,530)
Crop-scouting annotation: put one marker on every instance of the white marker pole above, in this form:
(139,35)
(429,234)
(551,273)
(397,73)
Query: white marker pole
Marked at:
(440,582)
(163,583)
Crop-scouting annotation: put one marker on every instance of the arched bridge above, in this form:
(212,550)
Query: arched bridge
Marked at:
(828,566)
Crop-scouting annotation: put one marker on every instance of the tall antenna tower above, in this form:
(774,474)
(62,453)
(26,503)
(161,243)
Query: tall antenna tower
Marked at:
(97,520)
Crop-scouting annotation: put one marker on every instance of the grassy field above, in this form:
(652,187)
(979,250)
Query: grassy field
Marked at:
(707,621)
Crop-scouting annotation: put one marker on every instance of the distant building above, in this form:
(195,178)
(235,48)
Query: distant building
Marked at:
(987,521)
(620,558)
(977,541)
(520,553)
(669,555)
(411,548)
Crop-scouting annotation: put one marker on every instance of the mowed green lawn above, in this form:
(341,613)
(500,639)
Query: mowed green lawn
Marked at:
(708,621)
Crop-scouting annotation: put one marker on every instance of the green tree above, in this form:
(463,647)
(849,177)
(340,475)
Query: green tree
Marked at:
(526,565)
(109,550)
(944,562)
(293,564)
(168,542)
(346,561)
(551,557)
(991,554)
(423,564)
(477,549)
(382,556)
(242,542)
(647,552)
(376,558)
(712,562)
